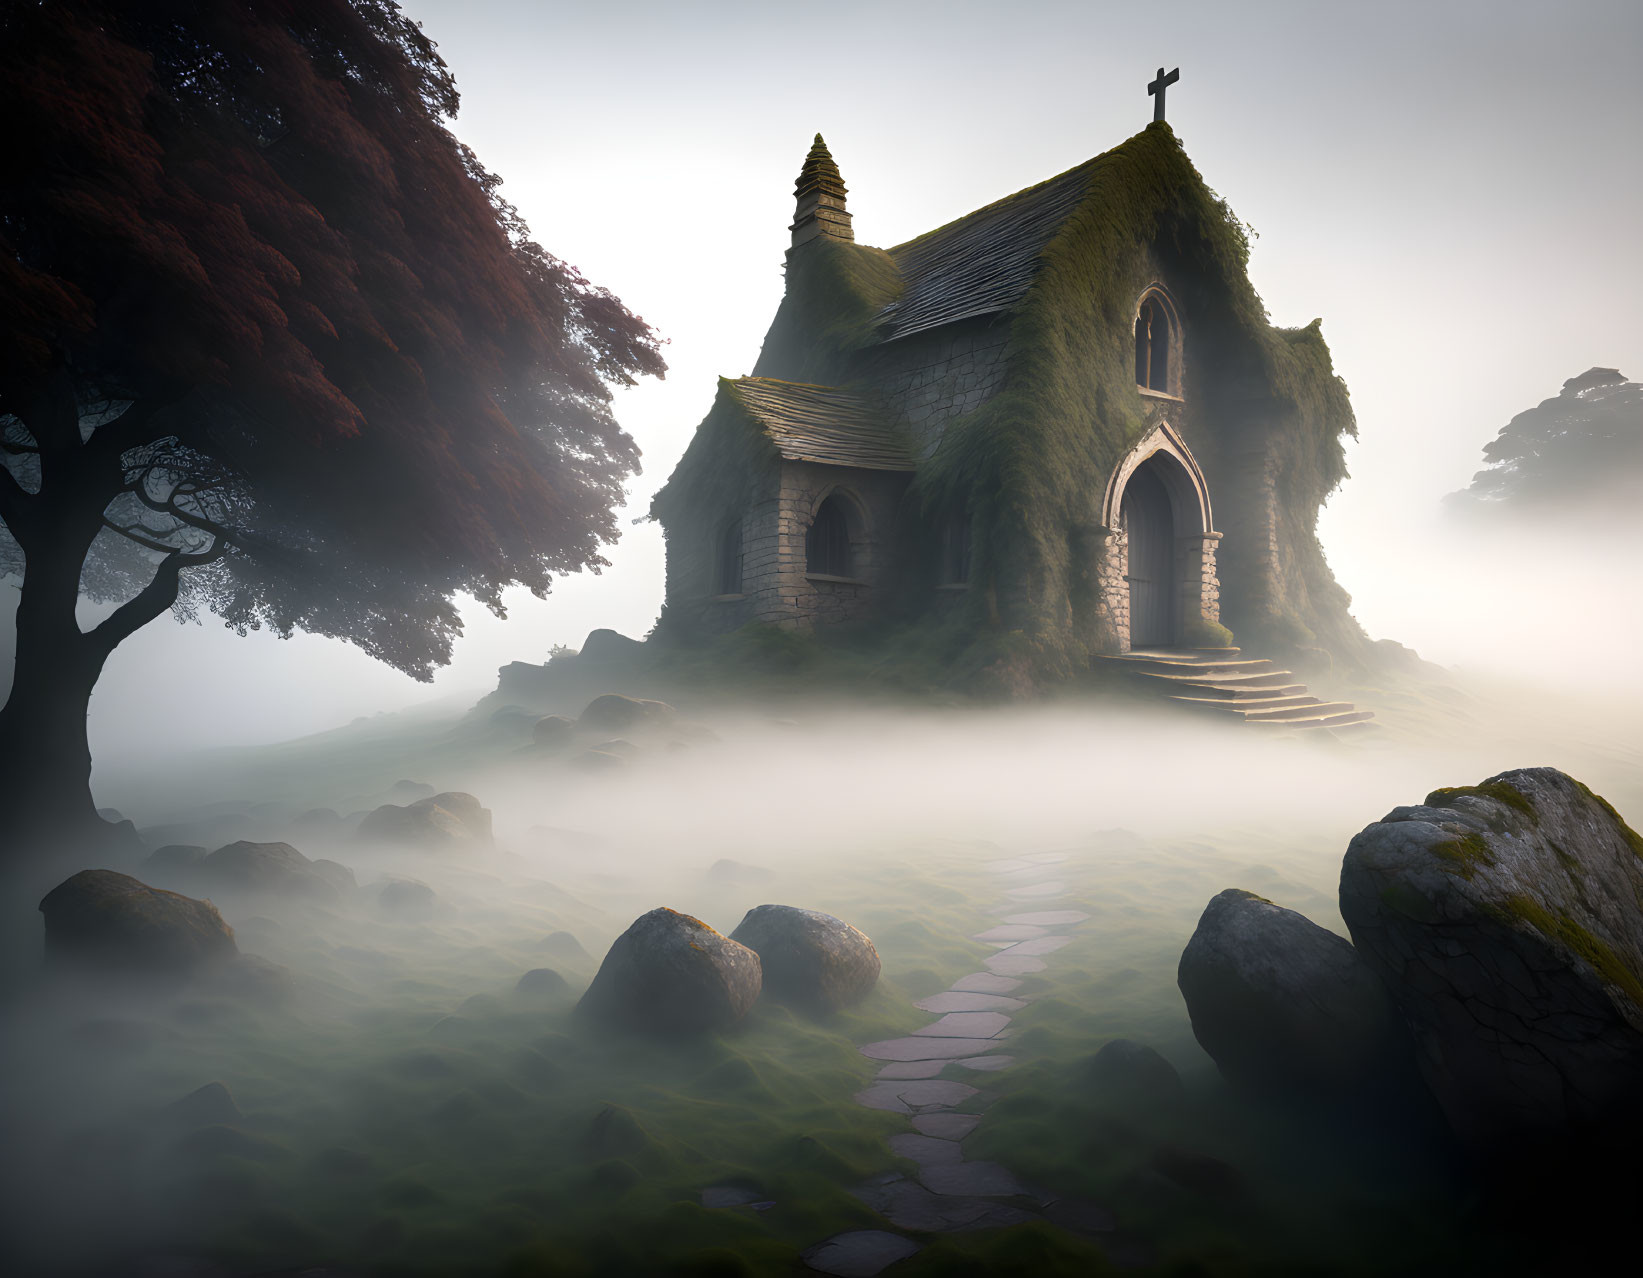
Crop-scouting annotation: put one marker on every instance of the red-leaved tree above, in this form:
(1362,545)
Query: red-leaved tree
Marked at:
(273,346)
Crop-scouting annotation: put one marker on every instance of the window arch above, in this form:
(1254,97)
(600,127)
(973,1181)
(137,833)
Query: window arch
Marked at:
(727,564)
(827,543)
(1157,344)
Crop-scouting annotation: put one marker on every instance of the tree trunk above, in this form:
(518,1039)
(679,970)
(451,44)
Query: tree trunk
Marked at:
(44,753)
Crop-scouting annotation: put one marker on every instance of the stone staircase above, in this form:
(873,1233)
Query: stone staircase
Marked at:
(1221,682)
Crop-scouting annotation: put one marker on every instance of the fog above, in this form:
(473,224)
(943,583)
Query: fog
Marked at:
(391,1092)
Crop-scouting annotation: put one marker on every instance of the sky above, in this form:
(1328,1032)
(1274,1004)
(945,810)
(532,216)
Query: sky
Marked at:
(1453,187)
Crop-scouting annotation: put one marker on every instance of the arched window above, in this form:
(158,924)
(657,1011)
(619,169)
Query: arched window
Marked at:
(727,569)
(827,544)
(1156,355)
(955,550)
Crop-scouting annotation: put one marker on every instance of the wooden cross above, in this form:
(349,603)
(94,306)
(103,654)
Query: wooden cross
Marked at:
(1157,87)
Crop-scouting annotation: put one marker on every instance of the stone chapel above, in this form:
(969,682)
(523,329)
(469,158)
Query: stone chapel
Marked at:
(1062,421)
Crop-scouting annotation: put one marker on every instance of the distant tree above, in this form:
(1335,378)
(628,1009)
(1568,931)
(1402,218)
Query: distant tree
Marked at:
(1581,451)
(272,346)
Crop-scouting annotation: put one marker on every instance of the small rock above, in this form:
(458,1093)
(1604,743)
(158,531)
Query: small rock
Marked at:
(808,957)
(174,859)
(562,945)
(318,821)
(542,983)
(407,897)
(449,821)
(204,1106)
(553,731)
(671,972)
(117,923)
(1130,1072)
(727,872)
(616,713)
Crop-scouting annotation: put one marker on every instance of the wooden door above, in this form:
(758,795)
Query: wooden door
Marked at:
(1151,526)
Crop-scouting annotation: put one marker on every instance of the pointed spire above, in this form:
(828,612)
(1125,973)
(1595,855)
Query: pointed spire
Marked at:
(820,192)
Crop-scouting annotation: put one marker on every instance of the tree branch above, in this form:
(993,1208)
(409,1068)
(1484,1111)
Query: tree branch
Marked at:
(150,601)
(144,536)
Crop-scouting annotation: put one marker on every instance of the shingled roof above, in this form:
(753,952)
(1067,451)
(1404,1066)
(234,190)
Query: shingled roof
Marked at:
(985,261)
(822,423)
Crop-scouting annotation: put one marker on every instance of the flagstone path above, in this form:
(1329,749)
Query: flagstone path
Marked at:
(972,1030)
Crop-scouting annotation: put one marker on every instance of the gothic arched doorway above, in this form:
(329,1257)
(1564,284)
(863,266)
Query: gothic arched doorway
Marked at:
(1155,588)
(1158,505)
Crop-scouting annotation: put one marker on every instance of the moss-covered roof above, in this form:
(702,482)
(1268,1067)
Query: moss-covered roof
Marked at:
(822,423)
(985,261)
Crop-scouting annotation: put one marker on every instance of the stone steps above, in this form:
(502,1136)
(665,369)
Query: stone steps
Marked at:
(1222,683)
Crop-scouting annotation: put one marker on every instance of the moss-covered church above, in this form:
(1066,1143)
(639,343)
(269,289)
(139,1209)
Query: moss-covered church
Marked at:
(1056,427)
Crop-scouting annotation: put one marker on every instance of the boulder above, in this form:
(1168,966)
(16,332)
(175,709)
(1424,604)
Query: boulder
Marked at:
(672,973)
(1507,920)
(1280,1003)
(616,713)
(318,820)
(443,821)
(808,957)
(563,945)
(603,647)
(174,858)
(553,731)
(542,983)
(408,787)
(406,896)
(204,1106)
(1129,1072)
(271,867)
(104,919)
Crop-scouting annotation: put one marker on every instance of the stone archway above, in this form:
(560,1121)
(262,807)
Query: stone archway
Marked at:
(1158,581)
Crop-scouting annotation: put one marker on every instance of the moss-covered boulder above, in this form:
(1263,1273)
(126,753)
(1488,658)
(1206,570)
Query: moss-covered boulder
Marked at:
(1507,920)
(1281,1003)
(810,958)
(672,973)
(104,920)
(451,821)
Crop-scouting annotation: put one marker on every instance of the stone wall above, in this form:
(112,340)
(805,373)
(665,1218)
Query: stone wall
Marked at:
(776,588)
(940,374)
(785,594)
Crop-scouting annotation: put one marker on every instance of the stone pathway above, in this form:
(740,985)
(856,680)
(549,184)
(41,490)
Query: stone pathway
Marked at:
(972,1029)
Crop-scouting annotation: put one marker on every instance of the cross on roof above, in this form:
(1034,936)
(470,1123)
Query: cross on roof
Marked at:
(1157,87)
